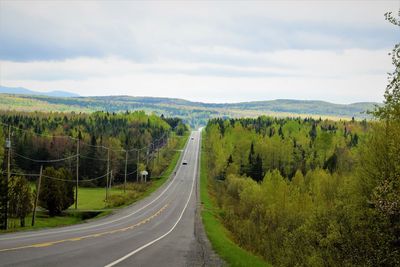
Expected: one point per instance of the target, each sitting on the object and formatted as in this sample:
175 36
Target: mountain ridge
194 113
25 91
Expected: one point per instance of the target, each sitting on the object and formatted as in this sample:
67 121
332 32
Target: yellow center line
78 238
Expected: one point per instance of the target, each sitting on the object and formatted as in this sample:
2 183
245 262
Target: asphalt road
157 231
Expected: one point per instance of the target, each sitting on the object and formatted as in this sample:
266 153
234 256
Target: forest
193 113
306 192
102 148
51 136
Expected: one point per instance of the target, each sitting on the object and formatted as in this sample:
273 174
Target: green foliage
20 199
378 186
56 195
92 200
247 147
2 141
181 129
391 108
194 114
220 237
118 200
378 181
313 206
40 139
331 193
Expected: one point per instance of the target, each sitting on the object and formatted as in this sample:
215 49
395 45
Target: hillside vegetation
305 192
193 113
99 150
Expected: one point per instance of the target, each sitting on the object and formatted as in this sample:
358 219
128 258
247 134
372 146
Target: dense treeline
44 138
305 192
312 192
56 140
252 146
191 113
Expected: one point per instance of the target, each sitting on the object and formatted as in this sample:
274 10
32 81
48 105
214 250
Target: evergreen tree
56 195
280 132
258 171
313 132
251 154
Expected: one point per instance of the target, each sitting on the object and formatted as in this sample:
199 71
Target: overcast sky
204 51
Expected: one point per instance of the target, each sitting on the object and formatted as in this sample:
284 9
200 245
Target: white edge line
167 233
107 222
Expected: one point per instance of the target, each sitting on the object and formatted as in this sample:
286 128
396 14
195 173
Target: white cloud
209 51
348 76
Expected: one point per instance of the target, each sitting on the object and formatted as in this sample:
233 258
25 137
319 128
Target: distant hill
24 91
311 107
194 113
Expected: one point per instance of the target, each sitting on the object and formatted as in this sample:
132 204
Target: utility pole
153 155
108 171
147 157
158 152
137 166
77 174
126 168
168 140
37 195
111 179
8 155
7 178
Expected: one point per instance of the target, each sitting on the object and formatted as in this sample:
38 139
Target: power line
87 157
92 179
97 146
44 161
155 143
56 178
104 159
118 173
38 134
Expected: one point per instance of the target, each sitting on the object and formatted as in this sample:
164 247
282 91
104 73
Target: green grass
93 199
156 183
218 235
42 220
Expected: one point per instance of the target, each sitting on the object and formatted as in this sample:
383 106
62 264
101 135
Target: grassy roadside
93 199
156 183
218 235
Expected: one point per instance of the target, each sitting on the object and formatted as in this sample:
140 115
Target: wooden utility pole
108 171
111 179
7 178
77 174
147 157
37 195
137 166
8 155
126 168
158 152
168 140
153 158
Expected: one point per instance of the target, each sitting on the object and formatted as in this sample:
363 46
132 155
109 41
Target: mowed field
94 198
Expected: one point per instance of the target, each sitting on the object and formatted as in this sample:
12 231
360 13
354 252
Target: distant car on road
192 138
184 162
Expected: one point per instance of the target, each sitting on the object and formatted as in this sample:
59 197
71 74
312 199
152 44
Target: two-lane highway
157 231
